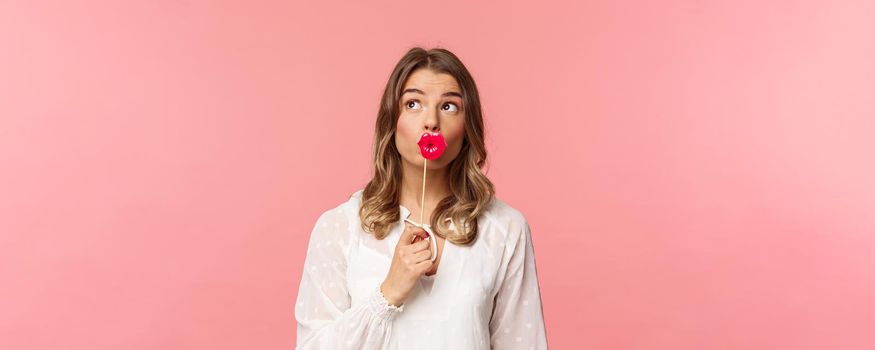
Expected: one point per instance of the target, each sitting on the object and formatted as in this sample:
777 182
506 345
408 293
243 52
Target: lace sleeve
517 319
322 309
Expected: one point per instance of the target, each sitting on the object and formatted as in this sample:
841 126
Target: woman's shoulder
342 212
501 219
353 200
500 209
507 222
356 195
333 226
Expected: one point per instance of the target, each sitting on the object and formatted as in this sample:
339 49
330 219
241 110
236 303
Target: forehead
431 82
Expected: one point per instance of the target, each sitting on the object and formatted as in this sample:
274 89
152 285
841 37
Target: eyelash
452 103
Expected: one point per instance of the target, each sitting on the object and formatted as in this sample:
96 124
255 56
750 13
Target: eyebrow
418 91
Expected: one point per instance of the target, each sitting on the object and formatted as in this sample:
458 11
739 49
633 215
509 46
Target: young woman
372 280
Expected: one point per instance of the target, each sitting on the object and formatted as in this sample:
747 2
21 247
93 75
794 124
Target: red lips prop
432 145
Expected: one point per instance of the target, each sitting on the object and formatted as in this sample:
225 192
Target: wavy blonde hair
471 191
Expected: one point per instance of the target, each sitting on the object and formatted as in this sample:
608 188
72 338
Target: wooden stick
422 201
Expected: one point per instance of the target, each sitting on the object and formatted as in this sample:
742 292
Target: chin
436 164
439 163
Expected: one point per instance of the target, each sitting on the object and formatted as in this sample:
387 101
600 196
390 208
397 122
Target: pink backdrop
697 174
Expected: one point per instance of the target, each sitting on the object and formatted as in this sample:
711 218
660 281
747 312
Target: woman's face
430 101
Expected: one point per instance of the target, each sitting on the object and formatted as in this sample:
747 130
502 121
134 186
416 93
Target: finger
415 232
420 256
416 247
407 235
420 233
423 266
416 238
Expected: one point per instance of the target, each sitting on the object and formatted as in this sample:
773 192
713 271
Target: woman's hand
411 260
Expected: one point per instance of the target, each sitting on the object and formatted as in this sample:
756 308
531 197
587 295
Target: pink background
697 174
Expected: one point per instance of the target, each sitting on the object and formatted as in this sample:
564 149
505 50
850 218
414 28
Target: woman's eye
412 104
456 108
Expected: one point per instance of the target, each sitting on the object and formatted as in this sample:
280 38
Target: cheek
455 133
405 132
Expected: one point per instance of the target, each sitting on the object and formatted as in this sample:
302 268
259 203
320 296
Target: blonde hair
471 191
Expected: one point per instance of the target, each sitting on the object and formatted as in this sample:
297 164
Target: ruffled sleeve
322 309
518 319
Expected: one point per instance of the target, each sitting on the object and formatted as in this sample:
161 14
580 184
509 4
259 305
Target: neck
436 187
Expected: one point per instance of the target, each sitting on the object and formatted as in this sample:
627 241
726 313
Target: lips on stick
431 146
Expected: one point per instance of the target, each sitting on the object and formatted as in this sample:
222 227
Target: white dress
483 296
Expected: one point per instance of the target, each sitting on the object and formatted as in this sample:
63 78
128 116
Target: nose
432 122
